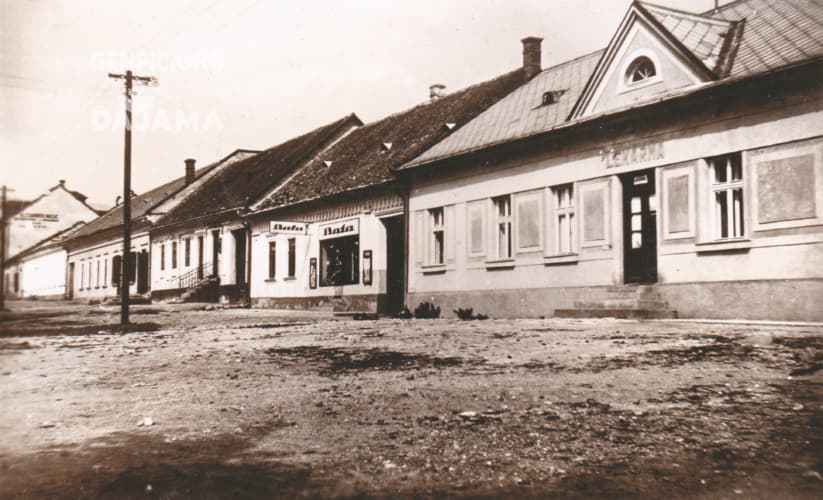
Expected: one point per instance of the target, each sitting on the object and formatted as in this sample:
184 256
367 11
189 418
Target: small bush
468 314
405 313
426 310
465 314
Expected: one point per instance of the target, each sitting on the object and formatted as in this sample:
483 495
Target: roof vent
551 96
450 126
436 91
386 146
327 163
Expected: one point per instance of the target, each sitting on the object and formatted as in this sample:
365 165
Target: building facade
679 172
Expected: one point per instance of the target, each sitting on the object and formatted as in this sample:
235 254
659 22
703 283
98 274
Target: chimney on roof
63 183
436 91
532 56
189 171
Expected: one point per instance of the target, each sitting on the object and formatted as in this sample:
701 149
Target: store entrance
639 227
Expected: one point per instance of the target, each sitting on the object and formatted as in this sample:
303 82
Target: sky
245 74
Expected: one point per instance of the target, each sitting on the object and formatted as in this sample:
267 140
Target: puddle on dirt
331 360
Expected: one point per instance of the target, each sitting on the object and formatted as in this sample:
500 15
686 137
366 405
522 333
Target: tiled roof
139 206
521 112
246 181
51 240
366 156
775 34
703 35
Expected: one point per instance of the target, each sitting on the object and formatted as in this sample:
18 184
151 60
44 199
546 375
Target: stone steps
625 302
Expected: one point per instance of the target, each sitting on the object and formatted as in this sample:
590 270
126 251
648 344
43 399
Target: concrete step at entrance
626 301
622 304
617 313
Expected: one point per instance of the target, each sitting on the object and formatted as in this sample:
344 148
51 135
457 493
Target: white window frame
563 197
437 236
735 216
502 229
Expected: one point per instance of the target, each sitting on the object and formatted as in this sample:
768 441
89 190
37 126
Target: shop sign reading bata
282 227
337 229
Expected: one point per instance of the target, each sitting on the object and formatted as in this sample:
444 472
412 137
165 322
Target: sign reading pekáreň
284 227
342 228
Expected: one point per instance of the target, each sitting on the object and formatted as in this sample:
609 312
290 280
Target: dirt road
261 404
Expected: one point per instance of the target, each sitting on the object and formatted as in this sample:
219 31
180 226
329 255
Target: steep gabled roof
769 34
367 155
244 182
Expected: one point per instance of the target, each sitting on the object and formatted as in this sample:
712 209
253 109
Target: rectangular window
437 242
727 197
105 271
339 261
116 270
162 256
292 257
187 253
272 259
82 275
564 218
476 237
503 226
174 255
528 220
97 274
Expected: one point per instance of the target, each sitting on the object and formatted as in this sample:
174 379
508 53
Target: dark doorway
200 257
70 282
142 272
217 243
639 227
395 272
239 256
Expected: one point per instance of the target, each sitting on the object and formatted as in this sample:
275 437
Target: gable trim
616 49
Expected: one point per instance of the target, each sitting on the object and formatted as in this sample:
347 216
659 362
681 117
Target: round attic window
640 70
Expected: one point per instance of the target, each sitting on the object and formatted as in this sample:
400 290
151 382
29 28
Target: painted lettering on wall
287 227
37 221
632 153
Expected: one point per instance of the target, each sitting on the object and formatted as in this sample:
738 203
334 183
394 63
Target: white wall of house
93 267
781 152
325 268
43 274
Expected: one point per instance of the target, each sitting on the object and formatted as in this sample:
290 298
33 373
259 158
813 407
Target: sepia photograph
418 249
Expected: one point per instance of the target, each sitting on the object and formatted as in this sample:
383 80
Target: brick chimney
436 91
531 55
189 171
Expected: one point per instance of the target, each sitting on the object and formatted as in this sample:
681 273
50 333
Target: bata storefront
340 264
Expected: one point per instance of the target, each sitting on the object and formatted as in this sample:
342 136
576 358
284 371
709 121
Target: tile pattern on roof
774 34
361 159
704 36
244 182
139 205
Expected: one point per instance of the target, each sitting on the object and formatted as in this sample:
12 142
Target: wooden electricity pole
126 260
3 219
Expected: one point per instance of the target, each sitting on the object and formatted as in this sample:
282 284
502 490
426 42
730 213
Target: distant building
95 251
35 263
678 172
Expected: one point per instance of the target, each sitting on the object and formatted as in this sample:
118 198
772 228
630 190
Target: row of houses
676 172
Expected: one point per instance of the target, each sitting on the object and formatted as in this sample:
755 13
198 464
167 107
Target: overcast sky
245 73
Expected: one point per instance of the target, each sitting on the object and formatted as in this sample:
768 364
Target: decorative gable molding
651 22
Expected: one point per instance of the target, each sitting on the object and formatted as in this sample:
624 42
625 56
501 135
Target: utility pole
3 250
126 260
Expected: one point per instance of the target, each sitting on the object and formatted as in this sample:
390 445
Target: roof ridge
447 96
702 15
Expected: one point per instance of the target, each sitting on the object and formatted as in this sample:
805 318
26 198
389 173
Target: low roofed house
678 171
332 235
200 244
95 250
34 267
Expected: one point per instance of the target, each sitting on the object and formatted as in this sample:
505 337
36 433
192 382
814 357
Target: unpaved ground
249 403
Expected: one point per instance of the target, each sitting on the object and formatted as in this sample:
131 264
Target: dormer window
640 70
